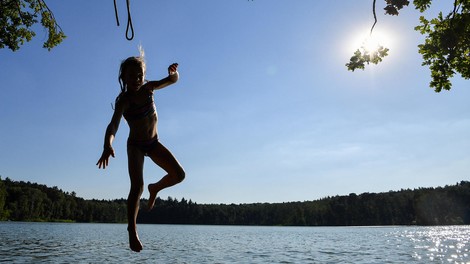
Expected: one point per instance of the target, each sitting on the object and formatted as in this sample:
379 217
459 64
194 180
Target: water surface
108 243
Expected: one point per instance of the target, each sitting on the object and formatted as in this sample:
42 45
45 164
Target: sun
370 47
371 42
374 41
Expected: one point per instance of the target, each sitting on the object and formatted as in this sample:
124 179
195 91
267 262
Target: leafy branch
446 49
18 16
363 56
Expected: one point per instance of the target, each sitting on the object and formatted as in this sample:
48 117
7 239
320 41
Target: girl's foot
153 195
134 241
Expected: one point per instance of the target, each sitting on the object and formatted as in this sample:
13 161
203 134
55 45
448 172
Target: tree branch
43 4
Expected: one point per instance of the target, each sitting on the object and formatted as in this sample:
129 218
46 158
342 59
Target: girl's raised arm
173 77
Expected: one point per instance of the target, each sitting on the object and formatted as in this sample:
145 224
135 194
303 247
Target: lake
108 243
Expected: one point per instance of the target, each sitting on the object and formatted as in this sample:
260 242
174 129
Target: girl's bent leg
175 172
136 165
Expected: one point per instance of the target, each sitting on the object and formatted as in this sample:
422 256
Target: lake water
108 243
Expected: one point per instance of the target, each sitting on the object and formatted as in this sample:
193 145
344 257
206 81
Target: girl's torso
141 115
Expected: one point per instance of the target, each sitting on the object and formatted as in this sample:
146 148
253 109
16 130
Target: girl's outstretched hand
104 160
173 68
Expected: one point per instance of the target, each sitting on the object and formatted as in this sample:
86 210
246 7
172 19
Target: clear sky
264 111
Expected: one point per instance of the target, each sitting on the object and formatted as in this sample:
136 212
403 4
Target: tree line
449 205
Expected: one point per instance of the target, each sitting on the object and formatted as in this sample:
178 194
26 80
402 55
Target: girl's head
132 74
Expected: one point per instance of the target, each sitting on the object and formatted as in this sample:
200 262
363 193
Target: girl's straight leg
136 166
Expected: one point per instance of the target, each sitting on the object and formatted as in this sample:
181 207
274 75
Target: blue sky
264 111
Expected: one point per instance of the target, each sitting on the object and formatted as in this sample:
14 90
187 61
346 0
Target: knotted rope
129 20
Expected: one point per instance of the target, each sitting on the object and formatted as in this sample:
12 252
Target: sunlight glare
371 42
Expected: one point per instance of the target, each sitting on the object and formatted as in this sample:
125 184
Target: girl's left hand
172 68
104 159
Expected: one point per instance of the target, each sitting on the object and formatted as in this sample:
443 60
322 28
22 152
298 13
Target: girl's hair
137 61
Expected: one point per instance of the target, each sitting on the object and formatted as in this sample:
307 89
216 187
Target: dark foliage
446 49
449 205
17 21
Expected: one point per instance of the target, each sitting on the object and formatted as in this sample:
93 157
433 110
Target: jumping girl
136 104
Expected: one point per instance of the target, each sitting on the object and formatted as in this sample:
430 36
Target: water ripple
107 243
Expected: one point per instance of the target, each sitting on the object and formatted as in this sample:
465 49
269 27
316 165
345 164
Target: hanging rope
375 17
129 20
116 13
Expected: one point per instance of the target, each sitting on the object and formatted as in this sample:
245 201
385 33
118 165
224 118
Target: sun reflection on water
441 243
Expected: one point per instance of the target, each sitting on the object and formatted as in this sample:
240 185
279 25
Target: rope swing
129 20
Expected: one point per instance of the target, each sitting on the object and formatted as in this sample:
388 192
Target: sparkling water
108 243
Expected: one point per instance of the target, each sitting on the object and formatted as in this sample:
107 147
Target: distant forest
449 205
